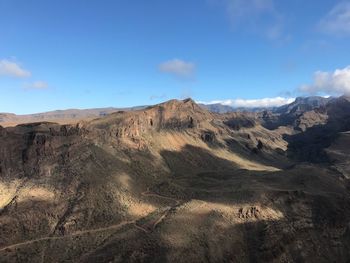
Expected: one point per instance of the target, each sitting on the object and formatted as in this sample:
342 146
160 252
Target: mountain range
75 115
177 182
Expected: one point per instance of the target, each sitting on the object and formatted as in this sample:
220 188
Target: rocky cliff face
301 114
173 115
169 183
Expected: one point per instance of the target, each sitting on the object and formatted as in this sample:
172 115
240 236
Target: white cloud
254 103
337 21
12 69
244 9
37 85
259 16
178 68
337 82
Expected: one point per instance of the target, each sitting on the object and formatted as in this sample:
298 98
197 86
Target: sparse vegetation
169 183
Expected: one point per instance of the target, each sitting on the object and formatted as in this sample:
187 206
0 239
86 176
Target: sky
88 54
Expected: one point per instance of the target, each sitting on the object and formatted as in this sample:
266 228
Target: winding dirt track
148 193
166 212
112 227
78 233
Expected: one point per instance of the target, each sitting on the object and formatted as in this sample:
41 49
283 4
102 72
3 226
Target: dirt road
112 227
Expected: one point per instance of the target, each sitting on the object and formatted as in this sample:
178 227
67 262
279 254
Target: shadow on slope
310 145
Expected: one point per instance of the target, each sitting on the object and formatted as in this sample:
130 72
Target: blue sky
85 54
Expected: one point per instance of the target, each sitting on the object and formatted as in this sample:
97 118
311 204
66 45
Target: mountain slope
321 127
166 183
301 114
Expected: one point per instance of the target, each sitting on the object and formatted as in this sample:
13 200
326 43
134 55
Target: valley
175 182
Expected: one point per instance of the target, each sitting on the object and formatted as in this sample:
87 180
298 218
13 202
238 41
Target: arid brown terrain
59 116
176 183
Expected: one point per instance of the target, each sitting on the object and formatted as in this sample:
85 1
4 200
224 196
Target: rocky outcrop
309 119
171 116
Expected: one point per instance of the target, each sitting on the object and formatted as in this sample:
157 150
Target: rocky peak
303 104
178 106
171 115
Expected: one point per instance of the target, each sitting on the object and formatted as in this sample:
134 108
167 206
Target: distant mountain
287 112
220 108
217 108
74 115
304 112
302 104
61 116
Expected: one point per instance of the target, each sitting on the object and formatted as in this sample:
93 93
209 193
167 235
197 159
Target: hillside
175 182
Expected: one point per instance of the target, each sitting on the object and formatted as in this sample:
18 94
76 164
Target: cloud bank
253 103
337 21
178 68
12 69
335 83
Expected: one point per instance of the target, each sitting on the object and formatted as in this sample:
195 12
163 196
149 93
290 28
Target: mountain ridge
67 116
174 179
